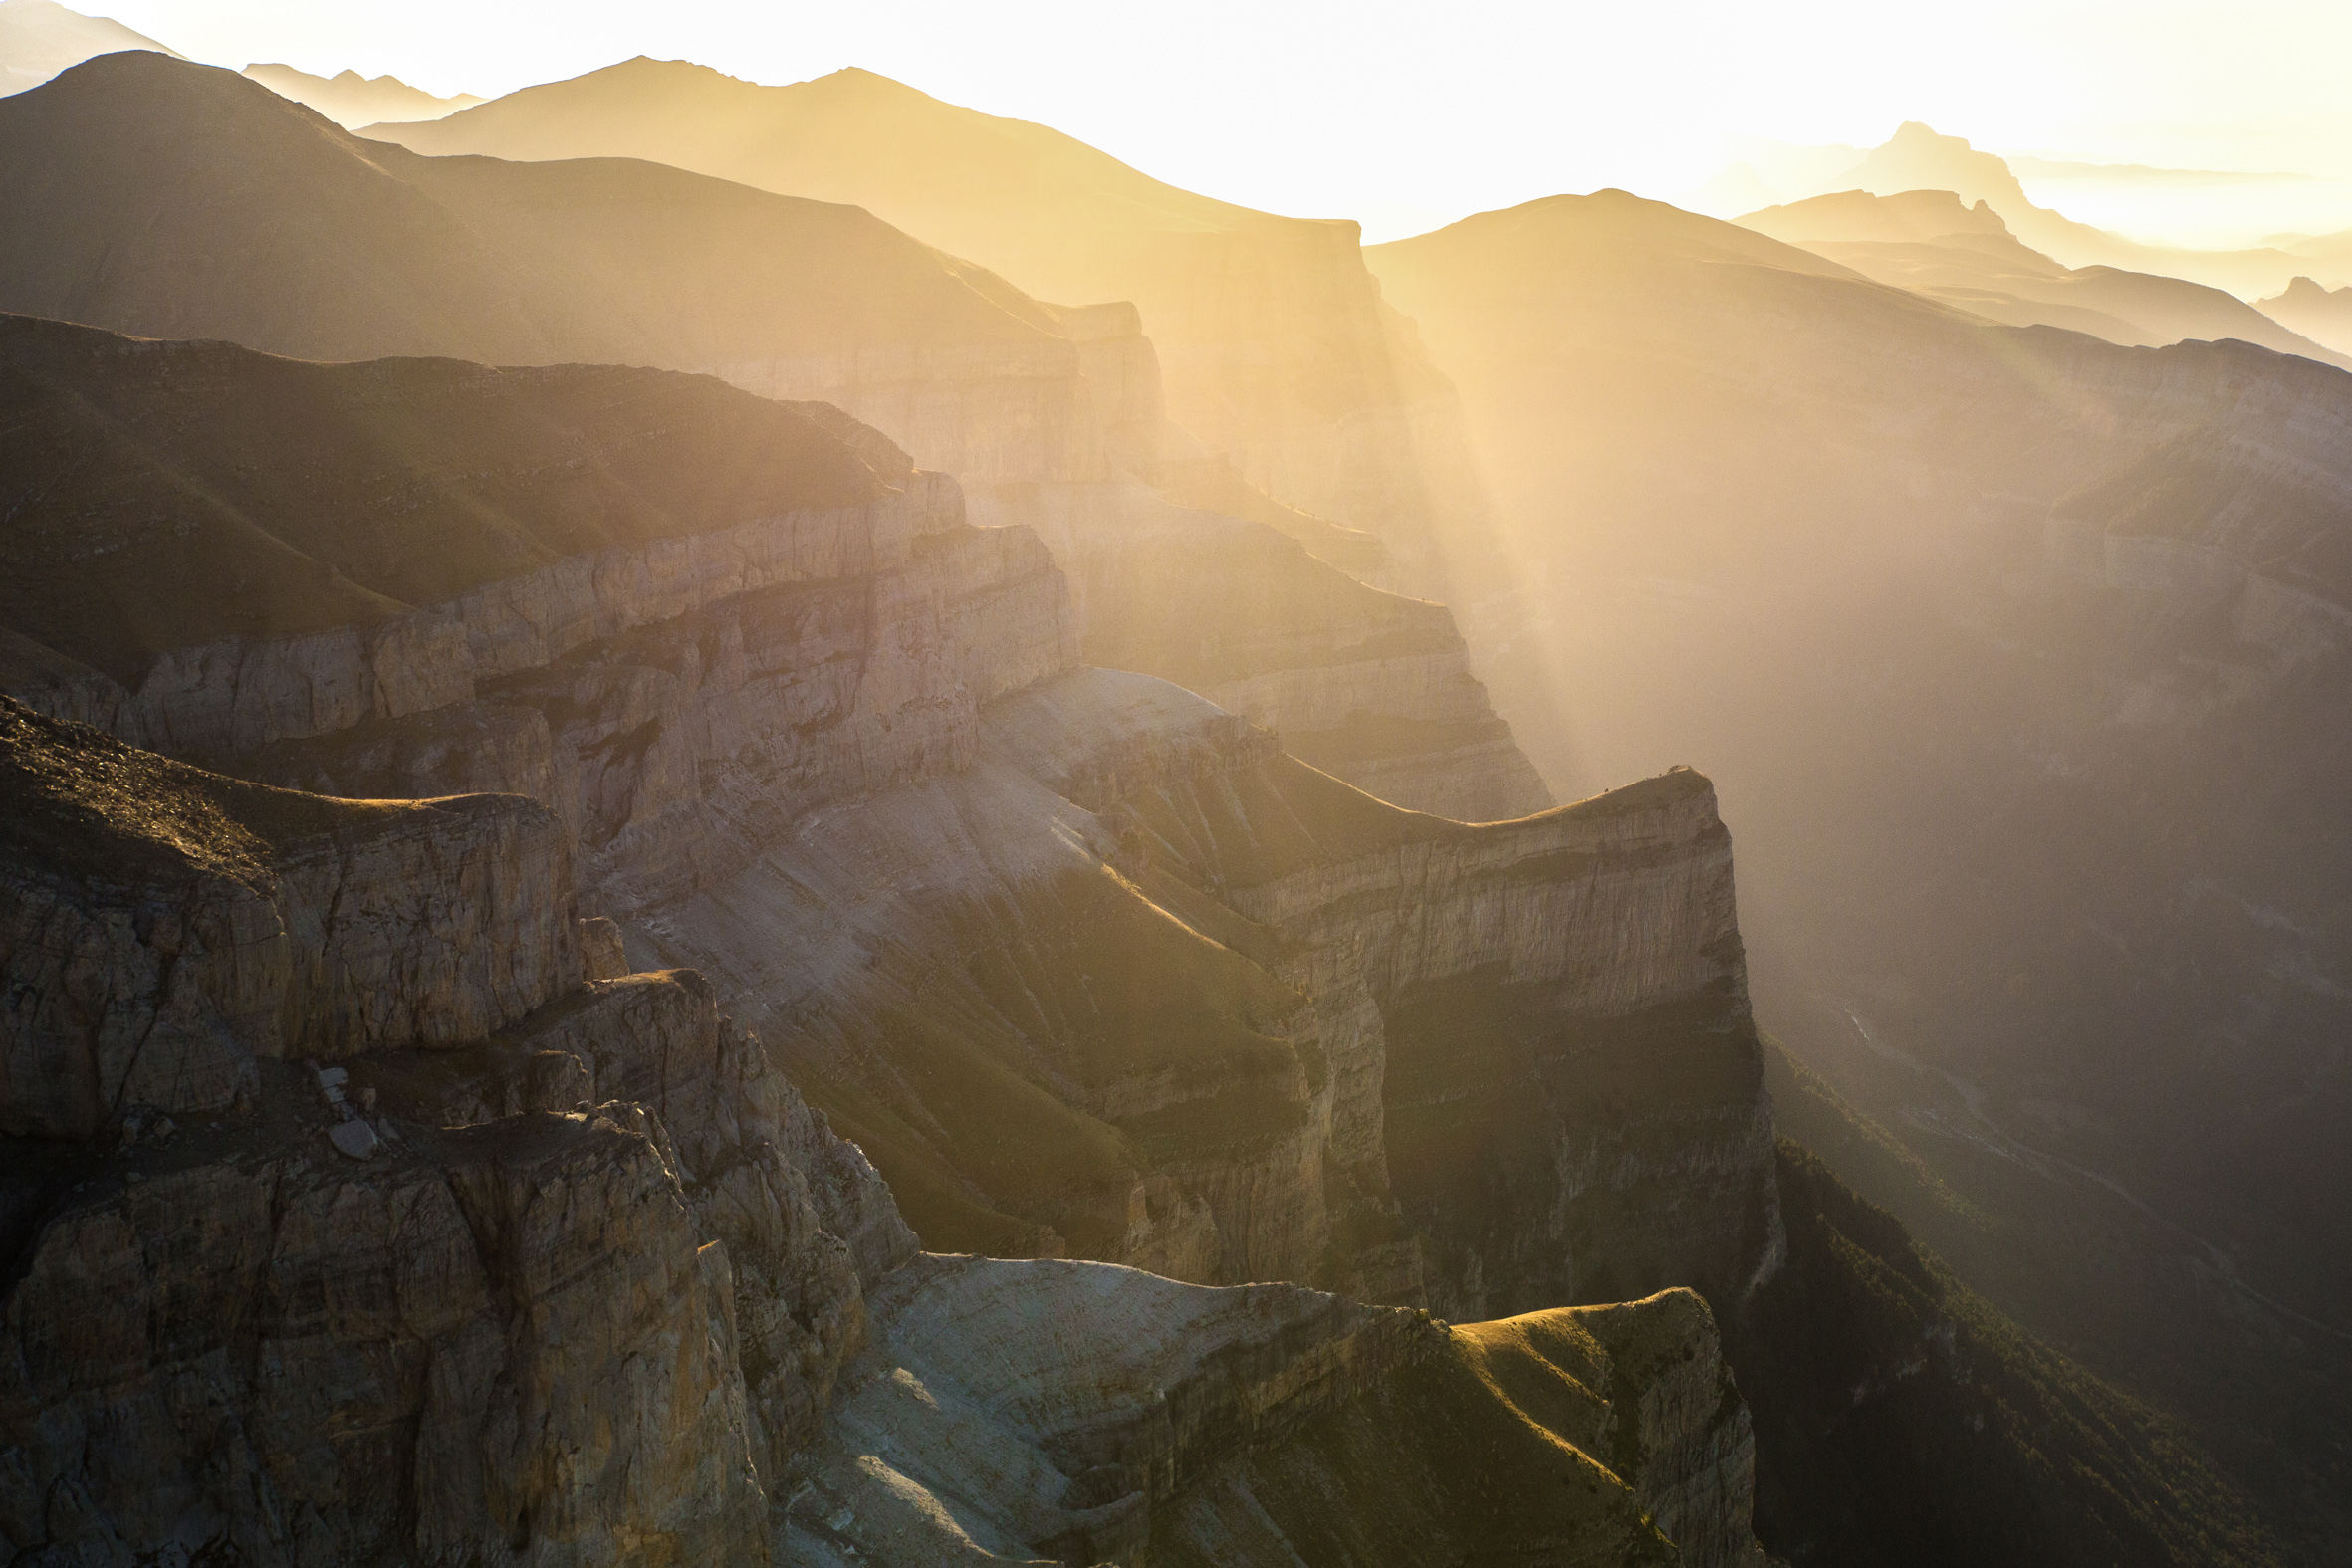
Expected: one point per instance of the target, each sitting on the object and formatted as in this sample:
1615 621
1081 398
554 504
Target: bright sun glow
1406 115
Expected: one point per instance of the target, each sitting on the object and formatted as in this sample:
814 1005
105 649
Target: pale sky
1319 109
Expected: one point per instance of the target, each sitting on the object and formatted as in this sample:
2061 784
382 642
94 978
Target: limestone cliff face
1139 986
1568 1084
548 1285
1653 1457
148 977
1079 1413
601 1288
1373 685
507 1344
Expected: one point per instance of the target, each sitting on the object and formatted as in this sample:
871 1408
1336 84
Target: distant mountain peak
1921 130
353 100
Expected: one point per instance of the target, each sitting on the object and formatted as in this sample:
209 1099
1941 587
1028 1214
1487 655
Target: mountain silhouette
177 200
1929 242
352 99
40 38
1271 337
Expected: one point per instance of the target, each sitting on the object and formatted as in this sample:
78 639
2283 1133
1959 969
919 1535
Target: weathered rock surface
163 929
1078 1412
601 1288
505 1344
1137 987
1087 964
445 1299
1372 686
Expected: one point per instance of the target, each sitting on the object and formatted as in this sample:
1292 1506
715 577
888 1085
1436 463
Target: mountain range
1926 241
2016 652
40 38
352 99
753 823
1353 425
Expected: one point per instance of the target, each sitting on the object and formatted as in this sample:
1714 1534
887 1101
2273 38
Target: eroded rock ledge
599 1289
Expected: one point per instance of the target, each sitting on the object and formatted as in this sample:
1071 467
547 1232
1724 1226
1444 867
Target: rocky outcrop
299 1312
503 1344
1520 977
447 1236
1139 986
150 969
1165 1423
1042 1408
1630 1407
1373 686
601 1288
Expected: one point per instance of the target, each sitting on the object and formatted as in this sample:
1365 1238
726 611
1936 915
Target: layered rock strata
629 263
1558 1011
553 1280
145 978
1138 987
707 586
1373 686
601 1288
1281 355
1168 1424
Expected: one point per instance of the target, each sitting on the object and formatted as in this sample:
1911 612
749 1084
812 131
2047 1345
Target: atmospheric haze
1406 116
1258 785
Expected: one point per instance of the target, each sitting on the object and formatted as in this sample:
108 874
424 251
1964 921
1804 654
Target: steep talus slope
1278 352
2043 855
140 220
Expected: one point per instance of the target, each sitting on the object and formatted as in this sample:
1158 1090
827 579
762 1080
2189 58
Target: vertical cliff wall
538 1271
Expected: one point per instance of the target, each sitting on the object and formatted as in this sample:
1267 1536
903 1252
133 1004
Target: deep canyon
782 825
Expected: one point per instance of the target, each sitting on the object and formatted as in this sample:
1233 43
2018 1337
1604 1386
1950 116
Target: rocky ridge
838 755
619 262
1280 354
601 1288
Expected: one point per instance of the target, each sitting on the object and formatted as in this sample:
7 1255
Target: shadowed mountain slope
1276 350
2020 657
348 249
147 183
1926 241
153 506
1900 1419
